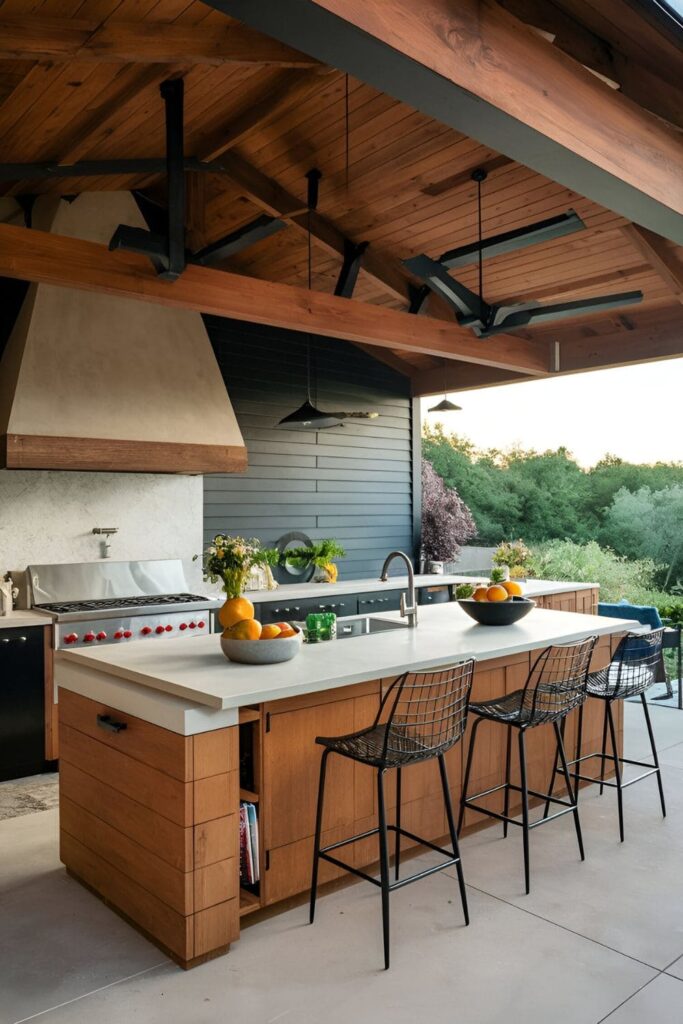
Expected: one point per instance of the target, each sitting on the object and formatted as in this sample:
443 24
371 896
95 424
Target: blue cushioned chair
649 616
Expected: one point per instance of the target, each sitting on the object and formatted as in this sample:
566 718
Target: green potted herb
321 554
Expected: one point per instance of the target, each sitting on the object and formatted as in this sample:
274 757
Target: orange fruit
497 593
480 594
246 629
285 630
270 632
513 588
235 610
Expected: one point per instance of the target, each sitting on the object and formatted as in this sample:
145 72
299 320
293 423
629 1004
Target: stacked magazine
249 858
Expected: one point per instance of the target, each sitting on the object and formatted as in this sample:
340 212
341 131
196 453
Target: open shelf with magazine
250 838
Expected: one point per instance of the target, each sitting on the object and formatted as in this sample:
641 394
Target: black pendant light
445 405
307 416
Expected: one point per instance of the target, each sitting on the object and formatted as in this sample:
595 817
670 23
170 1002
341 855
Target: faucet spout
409 606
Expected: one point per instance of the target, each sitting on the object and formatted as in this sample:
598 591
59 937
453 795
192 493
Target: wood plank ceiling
402 185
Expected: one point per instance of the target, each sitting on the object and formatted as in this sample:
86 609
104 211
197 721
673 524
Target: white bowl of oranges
499 602
245 640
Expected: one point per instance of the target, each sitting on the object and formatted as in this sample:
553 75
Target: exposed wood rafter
654 249
32 255
32 37
475 67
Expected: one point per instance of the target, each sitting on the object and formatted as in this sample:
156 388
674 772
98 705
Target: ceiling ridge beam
42 257
36 38
476 68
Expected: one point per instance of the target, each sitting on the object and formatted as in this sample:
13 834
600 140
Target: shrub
447 522
589 563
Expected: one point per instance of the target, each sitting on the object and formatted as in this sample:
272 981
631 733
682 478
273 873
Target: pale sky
635 412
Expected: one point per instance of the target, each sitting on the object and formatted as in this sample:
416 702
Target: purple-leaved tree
447 522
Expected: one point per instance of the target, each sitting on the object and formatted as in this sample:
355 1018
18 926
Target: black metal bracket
418 299
167 252
255 231
348 275
26 203
313 176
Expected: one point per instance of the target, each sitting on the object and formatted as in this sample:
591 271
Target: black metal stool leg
454 835
397 841
577 753
604 748
525 809
570 788
551 787
383 863
468 768
617 768
506 808
654 754
318 830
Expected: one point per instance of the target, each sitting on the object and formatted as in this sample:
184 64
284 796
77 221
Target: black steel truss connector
418 299
313 176
348 275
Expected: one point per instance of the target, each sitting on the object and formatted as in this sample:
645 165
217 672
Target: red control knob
71 638
101 635
118 635
169 628
146 630
88 637
127 634
183 625
159 629
193 625
201 624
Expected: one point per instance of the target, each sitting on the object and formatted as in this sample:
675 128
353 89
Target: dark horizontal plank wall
352 482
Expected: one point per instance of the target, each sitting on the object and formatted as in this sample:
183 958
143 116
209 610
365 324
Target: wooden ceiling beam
112 112
636 81
290 87
456 376
35 38
477 68
655 251
31 255
265 193
644 343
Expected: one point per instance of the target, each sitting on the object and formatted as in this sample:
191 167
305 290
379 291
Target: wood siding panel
336 482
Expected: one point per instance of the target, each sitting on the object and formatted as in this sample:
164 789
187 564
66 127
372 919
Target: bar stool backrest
633 668
557 681
426 712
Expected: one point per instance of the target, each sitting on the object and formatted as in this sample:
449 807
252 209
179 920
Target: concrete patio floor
599 941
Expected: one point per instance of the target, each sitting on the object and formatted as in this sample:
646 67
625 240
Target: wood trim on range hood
98 382
34 451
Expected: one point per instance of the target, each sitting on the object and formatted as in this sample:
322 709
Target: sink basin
366 625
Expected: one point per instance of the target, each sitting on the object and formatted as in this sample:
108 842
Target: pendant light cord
481 257
347 131
310 281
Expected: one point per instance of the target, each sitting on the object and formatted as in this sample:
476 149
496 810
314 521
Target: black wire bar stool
555 686
421 716
632 671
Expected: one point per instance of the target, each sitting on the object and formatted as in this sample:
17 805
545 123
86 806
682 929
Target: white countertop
293 591
195 668
18 619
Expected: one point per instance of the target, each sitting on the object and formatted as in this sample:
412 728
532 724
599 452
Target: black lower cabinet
22 702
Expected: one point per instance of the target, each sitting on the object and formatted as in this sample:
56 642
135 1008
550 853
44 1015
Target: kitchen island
161 741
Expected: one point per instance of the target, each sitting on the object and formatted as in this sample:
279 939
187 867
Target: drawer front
292 610
383 601
166 751
434 595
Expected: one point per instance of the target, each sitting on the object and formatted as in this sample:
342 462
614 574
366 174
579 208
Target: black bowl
497 613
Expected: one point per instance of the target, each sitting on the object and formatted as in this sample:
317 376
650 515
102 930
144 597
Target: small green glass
321 626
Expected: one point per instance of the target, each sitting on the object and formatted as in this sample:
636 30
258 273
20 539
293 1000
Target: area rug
26 796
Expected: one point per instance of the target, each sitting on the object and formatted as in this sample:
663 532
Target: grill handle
107 722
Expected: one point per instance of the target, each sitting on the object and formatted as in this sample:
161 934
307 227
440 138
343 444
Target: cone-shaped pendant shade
307 417
445 406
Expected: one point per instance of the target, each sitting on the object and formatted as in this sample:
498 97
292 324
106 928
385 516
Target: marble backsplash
48 516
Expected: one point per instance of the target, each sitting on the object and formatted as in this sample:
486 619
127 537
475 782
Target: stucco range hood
90 381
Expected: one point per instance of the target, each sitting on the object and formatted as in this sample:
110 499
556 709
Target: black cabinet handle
13 639
108 723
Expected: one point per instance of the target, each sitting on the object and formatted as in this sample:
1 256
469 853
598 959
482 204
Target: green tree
648 524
